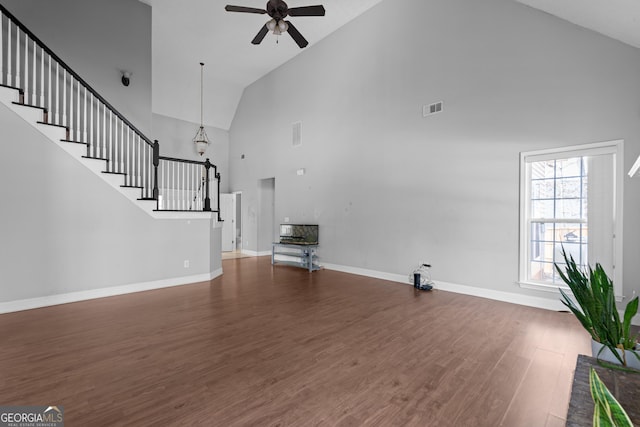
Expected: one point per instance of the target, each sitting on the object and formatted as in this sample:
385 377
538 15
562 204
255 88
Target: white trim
555 289
49 300
510 297
634 168
594 148
254 253
615 147
369 273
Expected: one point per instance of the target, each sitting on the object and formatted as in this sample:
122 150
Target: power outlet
186 263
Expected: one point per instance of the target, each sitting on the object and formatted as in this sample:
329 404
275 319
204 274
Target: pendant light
201 140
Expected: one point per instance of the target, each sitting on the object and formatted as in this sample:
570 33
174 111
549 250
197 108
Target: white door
227 211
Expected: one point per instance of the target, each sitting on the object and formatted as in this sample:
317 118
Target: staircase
40 88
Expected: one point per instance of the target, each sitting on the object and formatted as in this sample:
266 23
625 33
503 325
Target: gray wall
390 188
65 230
176 140
98 39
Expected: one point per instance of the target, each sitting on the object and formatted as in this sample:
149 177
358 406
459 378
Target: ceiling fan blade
230 8
306 11
296 36
260 36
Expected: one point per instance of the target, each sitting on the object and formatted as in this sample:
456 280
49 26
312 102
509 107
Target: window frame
615 148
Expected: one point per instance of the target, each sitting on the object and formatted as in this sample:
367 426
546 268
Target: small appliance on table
297 246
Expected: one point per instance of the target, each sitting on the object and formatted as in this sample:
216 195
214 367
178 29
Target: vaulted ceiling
188 32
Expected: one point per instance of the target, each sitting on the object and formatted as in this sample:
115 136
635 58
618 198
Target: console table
298 255
625 387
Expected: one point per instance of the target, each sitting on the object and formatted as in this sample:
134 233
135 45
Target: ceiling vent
428 110
297 134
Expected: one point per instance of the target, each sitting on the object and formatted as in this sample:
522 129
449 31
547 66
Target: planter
607 356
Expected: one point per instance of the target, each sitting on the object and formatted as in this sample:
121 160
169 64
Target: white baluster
114 142
9 54
117 150
34 94
49 93
42 78
138 162
71 113
64 97
17 57
110 155
127 159
91 138
148 169
142 168
2 81
184 187
26 69
57 97
123 147
103 141
86 116
78 117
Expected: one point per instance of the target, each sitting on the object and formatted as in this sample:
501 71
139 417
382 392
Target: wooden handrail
25 30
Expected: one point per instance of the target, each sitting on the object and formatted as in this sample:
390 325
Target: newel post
207 199
218 198
156 163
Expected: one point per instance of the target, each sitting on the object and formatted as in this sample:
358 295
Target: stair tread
75 142
114 173
131 186
180 210
53 124
12 87
30 106
95 158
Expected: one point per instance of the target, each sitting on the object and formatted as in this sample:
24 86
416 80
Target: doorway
231 213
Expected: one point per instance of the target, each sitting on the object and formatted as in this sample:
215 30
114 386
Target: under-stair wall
67 235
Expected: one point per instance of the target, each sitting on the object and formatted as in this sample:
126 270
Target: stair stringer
34 116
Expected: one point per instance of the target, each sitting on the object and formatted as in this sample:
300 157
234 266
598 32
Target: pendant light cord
201 92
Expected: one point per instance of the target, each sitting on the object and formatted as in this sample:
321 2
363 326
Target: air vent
428 110
297 134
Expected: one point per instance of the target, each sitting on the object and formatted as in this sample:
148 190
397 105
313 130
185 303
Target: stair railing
45 81
185 185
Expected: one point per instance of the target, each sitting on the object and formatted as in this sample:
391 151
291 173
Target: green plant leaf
607 410
630 311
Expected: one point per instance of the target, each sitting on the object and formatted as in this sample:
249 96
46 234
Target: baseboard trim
31 303
537 302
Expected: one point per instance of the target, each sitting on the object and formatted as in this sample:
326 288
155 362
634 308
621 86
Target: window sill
545 287
554 289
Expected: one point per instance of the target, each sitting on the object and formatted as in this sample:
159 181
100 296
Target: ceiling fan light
277 31
271 25
283 26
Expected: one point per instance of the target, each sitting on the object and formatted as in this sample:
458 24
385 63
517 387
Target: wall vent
428 110
297 134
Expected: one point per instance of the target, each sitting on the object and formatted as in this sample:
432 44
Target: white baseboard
31 303
255 253
369 273
538 302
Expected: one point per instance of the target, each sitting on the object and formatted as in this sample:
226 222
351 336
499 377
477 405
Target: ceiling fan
278 10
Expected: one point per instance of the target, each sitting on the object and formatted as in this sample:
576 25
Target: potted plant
597 312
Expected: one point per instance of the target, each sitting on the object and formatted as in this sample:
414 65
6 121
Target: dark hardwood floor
278 346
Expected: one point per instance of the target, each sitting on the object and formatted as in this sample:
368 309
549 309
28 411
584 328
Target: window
570 199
